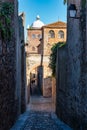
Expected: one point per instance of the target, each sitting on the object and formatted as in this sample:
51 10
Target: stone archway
34 74
39 75
36 81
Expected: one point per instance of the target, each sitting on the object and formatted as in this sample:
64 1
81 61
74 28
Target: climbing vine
83 2
6 11
65 1
53 57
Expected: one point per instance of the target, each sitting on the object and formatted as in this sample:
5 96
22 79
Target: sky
49 10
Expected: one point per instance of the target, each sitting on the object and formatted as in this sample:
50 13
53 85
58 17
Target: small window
33 36
51 34
61 34
39 36
33 48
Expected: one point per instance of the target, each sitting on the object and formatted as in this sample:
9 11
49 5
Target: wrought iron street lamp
72 11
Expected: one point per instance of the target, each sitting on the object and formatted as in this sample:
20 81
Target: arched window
60 34
51 34
33 48
33 36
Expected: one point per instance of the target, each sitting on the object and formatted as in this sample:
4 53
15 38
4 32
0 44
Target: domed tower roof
37 23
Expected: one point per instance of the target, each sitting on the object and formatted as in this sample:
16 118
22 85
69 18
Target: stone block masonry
72 75
8 103
23 62
10 73
61 86
47 89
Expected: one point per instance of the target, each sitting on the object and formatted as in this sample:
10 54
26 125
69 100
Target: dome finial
38 17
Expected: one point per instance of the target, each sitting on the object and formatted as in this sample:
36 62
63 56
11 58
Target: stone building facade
34 36
53 33
11 80
72 75
40 40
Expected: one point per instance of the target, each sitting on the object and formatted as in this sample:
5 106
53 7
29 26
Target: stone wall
47 87
54 90
23 62
47 77
86 31
72 77
8 103
18 56
10 74
61 86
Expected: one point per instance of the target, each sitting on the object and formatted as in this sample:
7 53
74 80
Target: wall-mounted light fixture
73 11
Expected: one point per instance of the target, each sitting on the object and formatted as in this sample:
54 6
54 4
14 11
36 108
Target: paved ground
40 116
41 104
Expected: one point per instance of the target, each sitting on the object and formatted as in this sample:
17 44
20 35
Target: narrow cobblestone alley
40 116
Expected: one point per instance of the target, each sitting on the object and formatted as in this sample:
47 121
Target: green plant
6 11
53 56
65 1
83 2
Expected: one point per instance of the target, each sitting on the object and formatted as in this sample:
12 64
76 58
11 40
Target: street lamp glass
72 13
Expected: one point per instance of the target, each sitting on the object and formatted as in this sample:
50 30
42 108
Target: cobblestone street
40 116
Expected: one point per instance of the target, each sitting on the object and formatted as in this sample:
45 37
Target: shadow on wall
33 89
47 87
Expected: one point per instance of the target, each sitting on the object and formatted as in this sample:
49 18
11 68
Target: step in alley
40 115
